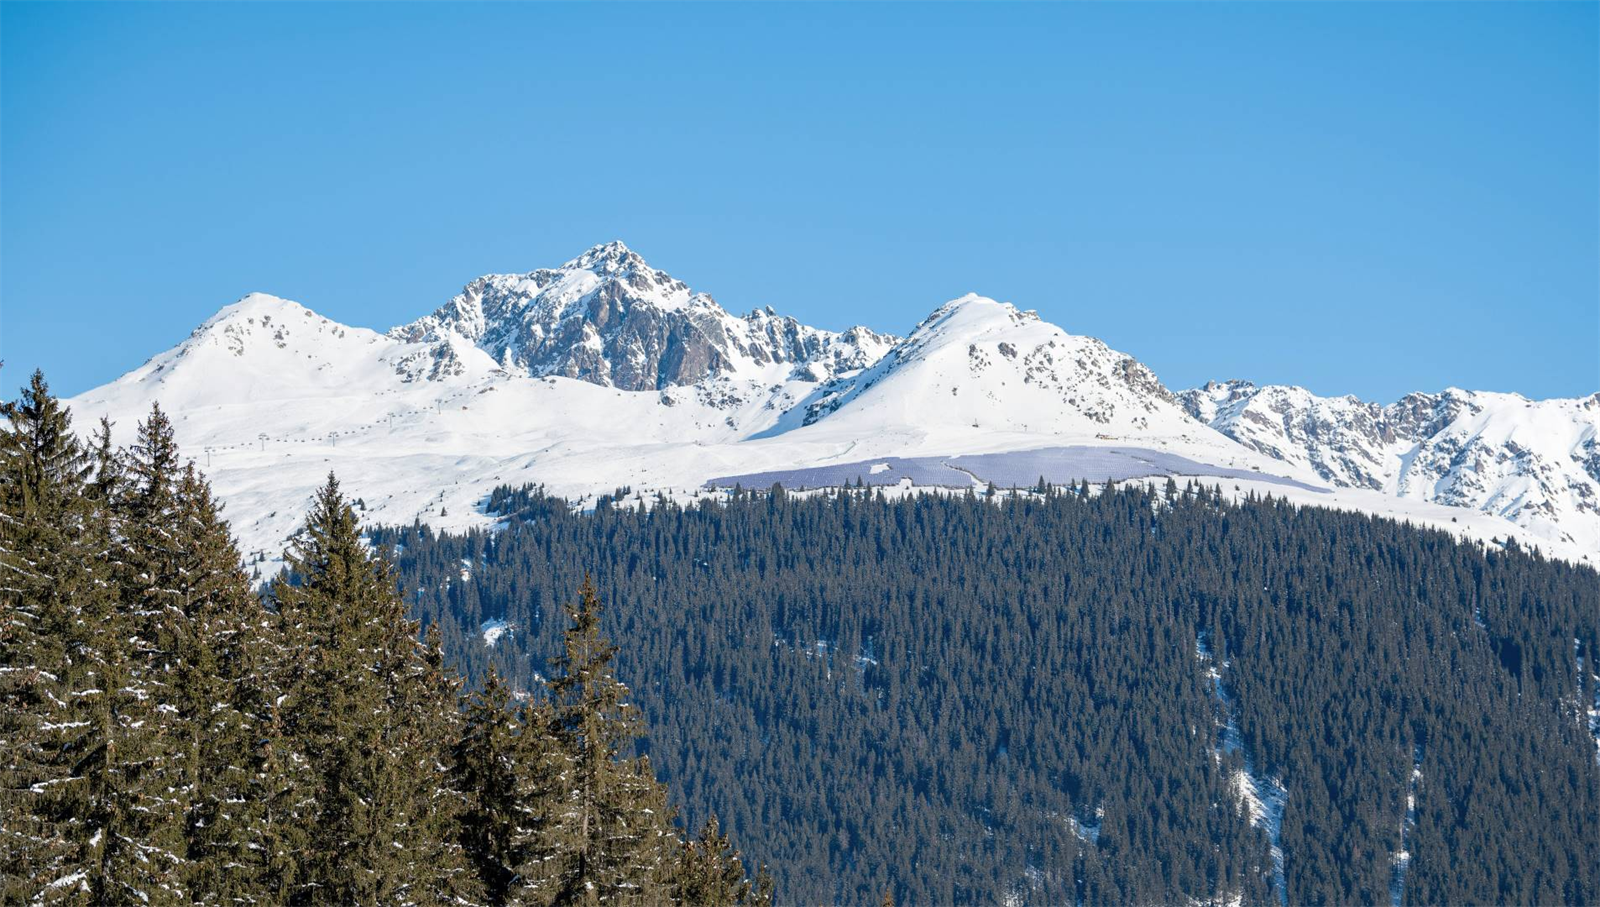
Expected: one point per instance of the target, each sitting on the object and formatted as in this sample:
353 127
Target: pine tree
110 797
711 873
488 764
609 838
148 770
109 469
363 712
53 604
225 692
427 702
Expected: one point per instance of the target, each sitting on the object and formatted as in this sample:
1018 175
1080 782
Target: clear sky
1359 198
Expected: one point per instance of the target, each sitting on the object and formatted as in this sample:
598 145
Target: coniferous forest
1069 696
170 735
1059 695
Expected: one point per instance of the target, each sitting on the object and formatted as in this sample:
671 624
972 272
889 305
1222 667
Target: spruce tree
53 606
427 704
149 769
545 772
225 693
105 488
107 797
711 873
362 712
489 764
610 837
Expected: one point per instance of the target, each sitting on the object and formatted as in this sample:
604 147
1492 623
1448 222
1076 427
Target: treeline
168 736
972 700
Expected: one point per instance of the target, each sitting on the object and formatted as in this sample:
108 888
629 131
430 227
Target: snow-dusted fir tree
153 757
711 873
557 815
88 629
492 764
431 690
366 713
225 689
607 834
54 608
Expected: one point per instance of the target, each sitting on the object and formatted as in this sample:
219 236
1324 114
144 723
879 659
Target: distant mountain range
1535 463
605 372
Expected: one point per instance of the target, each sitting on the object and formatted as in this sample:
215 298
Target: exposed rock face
609 318
1344 439
1534 462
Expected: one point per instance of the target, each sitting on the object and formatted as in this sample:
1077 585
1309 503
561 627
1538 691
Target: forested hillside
168 736
1067 696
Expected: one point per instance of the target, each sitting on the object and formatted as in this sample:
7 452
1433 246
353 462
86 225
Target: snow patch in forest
1594 720
1263 798
1402 857
1594 714
1088 830
493 629
78 878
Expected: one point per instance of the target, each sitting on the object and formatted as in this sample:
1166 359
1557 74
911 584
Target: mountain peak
1231 385
974 312
611 258
255 305
609 318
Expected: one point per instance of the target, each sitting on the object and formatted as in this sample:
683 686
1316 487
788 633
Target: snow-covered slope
1535 463
606 372
983 363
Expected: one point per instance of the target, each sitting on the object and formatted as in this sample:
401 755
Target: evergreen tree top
47 462
589 700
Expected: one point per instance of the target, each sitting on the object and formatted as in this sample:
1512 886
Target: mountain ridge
1534 462
606 372
607 317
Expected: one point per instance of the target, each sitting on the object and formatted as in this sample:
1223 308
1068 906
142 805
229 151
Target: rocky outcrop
608 318
1533 462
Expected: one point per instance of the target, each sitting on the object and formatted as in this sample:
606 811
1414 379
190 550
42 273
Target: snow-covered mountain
609 318
606 372
980 362
1535 463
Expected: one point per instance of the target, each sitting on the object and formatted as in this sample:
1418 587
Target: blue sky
1360 198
